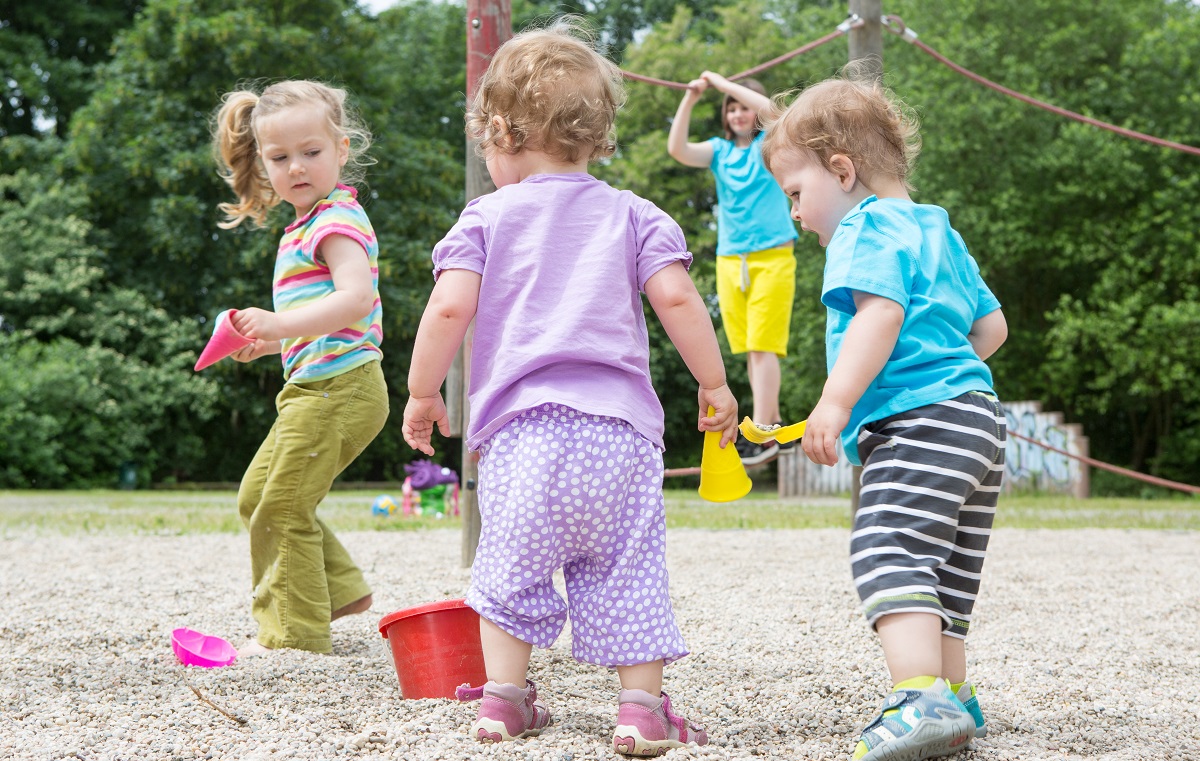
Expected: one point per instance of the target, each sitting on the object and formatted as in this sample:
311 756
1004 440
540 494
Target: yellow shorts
755 292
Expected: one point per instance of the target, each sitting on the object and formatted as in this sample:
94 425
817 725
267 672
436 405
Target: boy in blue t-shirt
910 323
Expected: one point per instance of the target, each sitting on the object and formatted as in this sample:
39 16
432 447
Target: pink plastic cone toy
194 648
225 341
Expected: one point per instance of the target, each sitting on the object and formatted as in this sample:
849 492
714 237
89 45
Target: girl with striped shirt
296 142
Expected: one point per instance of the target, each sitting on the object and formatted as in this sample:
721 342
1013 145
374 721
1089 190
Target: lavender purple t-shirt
563 259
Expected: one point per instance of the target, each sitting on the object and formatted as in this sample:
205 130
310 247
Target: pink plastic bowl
194 648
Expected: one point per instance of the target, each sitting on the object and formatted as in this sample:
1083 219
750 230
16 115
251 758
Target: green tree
142 145
618 22
94 374
47 52
1087 237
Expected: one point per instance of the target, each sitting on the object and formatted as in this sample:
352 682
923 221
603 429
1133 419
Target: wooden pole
866 41
489 25
866 45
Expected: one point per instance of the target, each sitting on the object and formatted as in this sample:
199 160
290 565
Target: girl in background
756 267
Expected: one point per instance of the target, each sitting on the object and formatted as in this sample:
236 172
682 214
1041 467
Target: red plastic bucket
435 648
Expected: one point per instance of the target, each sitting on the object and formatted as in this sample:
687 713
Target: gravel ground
1085 646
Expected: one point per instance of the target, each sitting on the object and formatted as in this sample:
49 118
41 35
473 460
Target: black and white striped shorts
930 480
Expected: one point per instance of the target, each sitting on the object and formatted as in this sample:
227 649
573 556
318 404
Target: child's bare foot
251 649
361 605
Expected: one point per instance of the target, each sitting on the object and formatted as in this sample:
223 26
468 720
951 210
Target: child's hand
825 426
725 412
258 323
712 78
420 414
696 88
257 349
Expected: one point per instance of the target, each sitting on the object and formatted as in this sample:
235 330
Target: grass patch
176 512
199 512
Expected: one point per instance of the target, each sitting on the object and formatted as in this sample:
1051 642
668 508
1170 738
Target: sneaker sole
929 739
490 731
628 741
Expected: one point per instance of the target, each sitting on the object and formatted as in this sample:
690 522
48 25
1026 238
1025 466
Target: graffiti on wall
1029 467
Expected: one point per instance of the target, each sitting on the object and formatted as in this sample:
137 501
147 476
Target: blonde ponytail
237 156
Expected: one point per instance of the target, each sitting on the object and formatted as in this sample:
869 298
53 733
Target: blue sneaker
917 724
966 695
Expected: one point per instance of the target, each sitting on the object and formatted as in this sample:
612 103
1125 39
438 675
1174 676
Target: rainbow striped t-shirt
302 278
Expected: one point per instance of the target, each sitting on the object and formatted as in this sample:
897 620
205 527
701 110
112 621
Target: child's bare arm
988 333
451 308
352 299
697 155
754 101
685 318
868 343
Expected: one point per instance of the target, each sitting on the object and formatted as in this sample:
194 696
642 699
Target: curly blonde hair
554 92
235 143
856 117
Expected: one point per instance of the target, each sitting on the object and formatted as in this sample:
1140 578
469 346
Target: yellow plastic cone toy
722 476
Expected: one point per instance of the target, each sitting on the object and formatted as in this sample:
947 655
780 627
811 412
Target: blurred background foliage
114 266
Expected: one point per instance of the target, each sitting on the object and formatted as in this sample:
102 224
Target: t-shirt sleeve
348 219
986 301
660 242
465 245
720 147
864 258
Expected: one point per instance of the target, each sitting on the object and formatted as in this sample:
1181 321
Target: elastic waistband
783 249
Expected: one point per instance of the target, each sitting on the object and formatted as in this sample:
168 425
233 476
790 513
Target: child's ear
841 165
343 151
498 128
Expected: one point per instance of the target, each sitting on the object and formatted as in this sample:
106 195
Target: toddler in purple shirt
569 430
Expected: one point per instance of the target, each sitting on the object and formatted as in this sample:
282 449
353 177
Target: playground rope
1155 480
1111 468
842 28
896 25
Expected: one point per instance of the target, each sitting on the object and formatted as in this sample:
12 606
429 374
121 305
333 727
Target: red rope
896 25
842 29
673 472
695 471
1112 468
789 56
653 81
1155 480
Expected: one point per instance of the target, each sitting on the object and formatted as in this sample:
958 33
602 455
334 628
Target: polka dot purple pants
562 489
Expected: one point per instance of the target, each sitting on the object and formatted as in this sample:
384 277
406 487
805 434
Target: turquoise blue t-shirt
753 212
909 253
